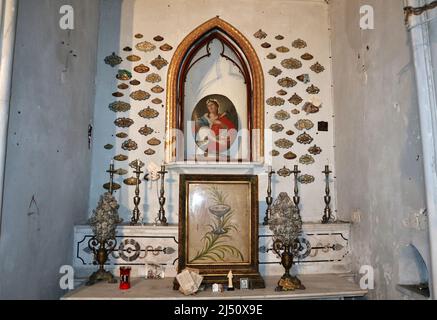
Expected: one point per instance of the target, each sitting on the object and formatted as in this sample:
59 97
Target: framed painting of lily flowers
218 227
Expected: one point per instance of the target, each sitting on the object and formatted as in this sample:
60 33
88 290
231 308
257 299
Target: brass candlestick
111 185
162 220
137 199
296 198
327 212
269 199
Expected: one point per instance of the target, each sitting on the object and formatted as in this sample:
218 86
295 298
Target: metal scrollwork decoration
282 115
165 47
118 94
295 99
153 78
307 56
103 223
145 131
275 72
286 225
287 82
260 34
275 101
284 143
307 179
140 95
133 58
315 150
159 62
304 124
124 75
123 122
148 113
310 108
306 159
119 106
317 68
271 56
291 63
305 78
156 101
282 49
145 46
299 44
129 250
113 60
284 172
277 127
290 155
129 145
157 89
275 153
313 89
304 138
141 68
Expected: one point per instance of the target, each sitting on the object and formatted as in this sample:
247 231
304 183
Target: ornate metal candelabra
137 199
269 199
162 220
286 225
327 216
103 223
296 198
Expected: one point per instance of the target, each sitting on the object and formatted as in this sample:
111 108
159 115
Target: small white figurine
215 288
230 284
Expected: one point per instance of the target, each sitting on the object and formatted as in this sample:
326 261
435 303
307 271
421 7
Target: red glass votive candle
125 278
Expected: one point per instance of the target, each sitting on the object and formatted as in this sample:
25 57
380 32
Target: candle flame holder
269 198
327 212
161 220
296 197
137 199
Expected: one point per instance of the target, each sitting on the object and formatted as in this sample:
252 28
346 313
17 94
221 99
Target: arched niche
215 62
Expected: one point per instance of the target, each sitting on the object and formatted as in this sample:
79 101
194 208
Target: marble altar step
321 286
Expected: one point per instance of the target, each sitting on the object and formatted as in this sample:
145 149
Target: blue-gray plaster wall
47 152
379 158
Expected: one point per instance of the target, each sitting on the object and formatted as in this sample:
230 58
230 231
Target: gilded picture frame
218 227
180 65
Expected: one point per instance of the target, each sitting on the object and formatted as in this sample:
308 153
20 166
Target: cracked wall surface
380 179
48 161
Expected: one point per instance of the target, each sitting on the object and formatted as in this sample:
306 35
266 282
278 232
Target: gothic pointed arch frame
252 71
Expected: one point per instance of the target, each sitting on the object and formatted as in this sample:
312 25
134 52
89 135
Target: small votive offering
244 284
125 278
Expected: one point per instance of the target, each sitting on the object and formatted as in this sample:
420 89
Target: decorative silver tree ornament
103 223
286 225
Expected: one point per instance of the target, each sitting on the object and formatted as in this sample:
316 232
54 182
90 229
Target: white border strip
420 40
8 16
